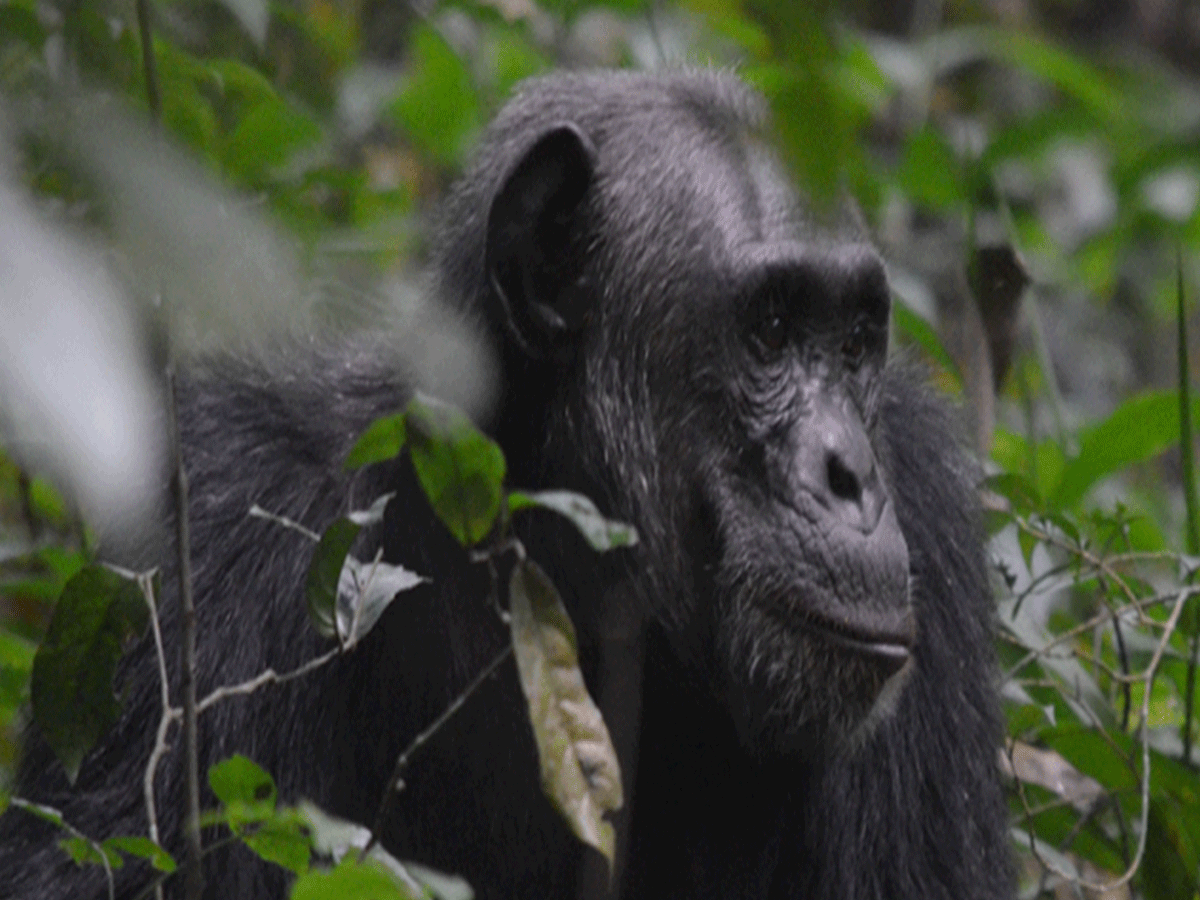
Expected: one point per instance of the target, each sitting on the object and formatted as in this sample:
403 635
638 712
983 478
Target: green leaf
265 138
438 107
930 173
351 880
1170 869
383 440
245 789
236 79
1139 429
324 575
337 838
85 852
1066 70
97 617
282 838
460 469
921 333
189 116
603 534
18 22
580 773
1017 489
16 652
143 848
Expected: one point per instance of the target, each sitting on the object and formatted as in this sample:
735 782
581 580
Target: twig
42 811
259 513
395 781
269 676
1123 656
149 65
145 581
1144 727
1139 606
193 876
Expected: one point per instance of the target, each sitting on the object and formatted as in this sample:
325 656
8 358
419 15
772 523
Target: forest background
1029 168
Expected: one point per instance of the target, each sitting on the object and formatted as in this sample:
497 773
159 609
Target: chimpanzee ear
534 256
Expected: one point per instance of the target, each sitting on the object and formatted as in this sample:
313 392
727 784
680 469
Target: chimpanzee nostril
842 482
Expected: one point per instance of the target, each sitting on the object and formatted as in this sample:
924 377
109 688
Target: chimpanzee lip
891 636
891 646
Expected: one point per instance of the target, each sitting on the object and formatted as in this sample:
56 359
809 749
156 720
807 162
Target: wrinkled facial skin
814 624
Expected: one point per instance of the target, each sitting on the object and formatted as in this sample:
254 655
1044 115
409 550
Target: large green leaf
383 440
930 173
1139 429
438 107
99 614
351 880
460 469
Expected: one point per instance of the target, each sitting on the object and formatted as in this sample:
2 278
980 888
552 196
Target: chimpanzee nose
843 474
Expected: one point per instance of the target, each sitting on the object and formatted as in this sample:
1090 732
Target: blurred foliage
1070 137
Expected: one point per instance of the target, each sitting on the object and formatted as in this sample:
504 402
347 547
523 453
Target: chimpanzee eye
771 331
854 348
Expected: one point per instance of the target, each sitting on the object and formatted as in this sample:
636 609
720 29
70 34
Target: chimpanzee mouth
896 647
888 638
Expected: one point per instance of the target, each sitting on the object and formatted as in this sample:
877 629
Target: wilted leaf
460 469
580 773
603 534
371 586
373 514
97 617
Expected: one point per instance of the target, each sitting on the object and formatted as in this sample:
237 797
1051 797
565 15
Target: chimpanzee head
668 318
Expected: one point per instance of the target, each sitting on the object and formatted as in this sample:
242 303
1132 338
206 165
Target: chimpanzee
796 656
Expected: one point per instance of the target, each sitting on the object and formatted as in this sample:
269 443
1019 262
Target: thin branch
1144 727
1139 606
149 65
42 811
259 513
145 581
269 676
395 781
1123 656
193 875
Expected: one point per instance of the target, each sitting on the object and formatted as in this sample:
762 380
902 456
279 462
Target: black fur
619 235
